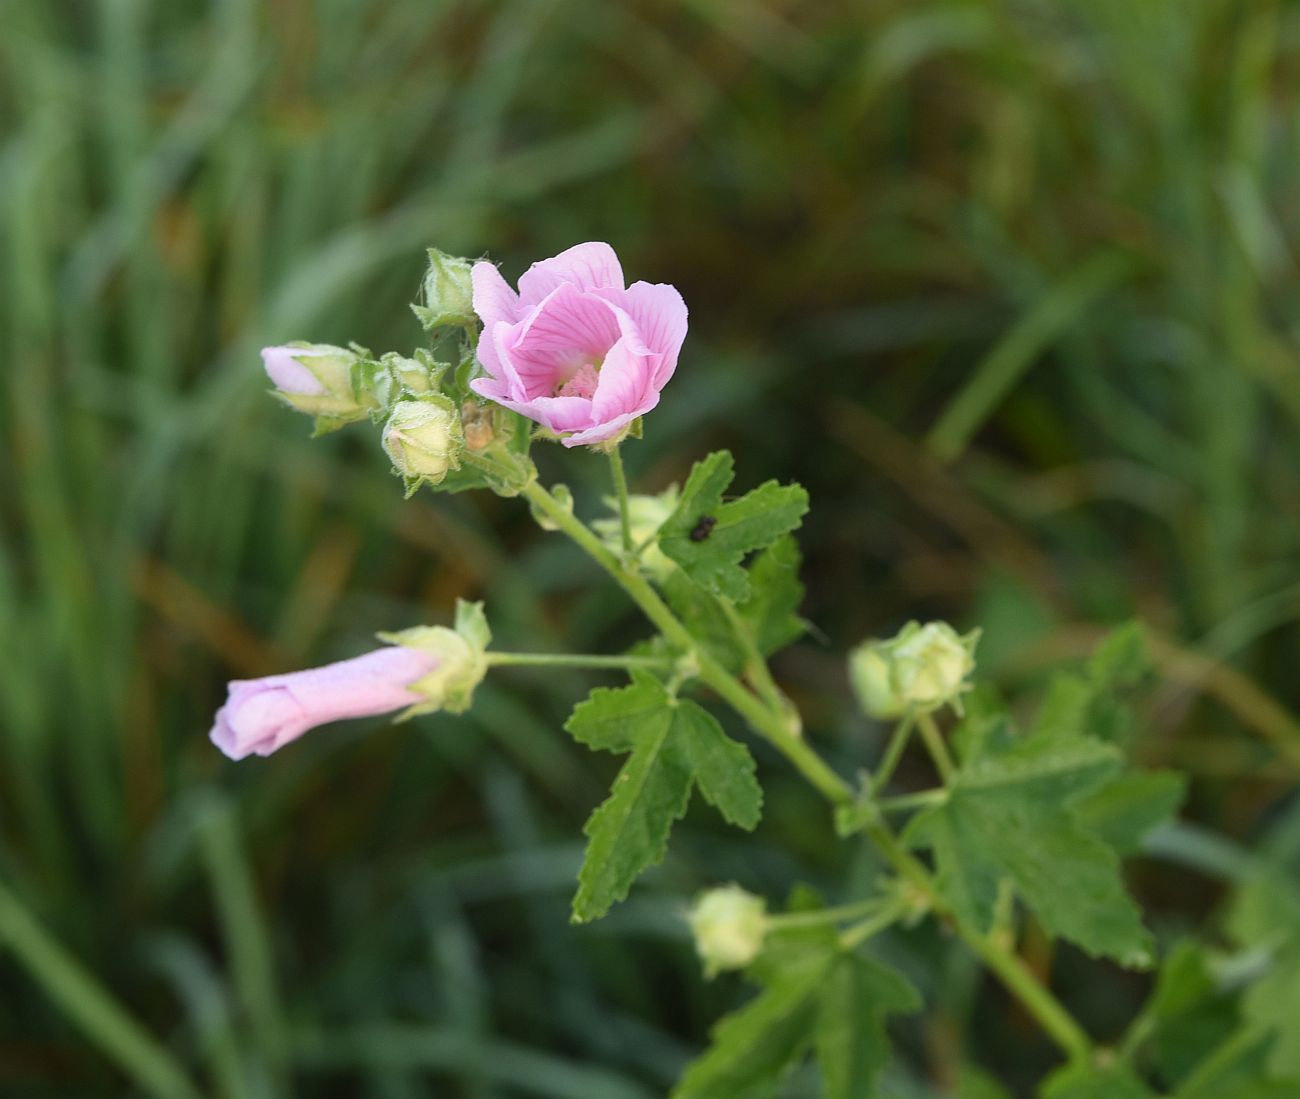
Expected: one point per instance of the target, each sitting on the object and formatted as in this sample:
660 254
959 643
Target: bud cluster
433 424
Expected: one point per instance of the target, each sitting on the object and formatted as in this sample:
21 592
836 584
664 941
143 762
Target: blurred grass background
1011 286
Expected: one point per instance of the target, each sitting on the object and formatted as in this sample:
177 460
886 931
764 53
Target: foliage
897 226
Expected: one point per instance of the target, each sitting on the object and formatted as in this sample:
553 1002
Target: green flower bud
729 925
922 669
461 655
397 376
869 675
423 439
321 380
448 293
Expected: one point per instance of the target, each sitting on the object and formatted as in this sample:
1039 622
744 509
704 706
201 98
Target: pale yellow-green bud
448 293
729 925
871 680
423 439
461 654
922 669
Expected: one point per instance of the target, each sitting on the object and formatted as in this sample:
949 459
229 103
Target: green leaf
851 1044
1121 660
975 1083
776 593
1272 1006
1009 815
816 996
612 719
1086 1082
724 769
1125 809
755 1047
708 539
674 746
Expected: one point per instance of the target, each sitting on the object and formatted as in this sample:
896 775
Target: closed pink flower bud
574 349
261 715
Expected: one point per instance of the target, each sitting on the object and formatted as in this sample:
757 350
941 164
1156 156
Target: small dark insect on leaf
702 528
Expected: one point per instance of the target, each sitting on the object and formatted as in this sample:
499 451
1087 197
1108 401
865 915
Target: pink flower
261 715
574 350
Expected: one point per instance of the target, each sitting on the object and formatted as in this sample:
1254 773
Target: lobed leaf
675 746
708 539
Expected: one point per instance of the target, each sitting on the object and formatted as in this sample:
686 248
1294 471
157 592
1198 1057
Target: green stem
828 915
90 1006
765 721
935 745
893 753
624 506
873 925
920 800
1009 968
576 660
756 669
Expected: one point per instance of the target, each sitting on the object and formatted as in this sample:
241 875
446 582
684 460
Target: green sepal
462 660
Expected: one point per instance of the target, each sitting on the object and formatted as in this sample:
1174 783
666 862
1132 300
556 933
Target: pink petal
586 266
559 414
625 379
659 314
600 432
493 299
261 715
287 373
566 330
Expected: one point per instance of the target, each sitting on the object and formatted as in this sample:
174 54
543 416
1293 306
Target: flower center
581 383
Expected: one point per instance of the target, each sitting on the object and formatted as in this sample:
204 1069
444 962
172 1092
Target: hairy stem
935 745
624 506
575 660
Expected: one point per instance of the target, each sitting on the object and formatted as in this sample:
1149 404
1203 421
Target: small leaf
724 769
629 831
674 746
1125 809
851 1044
709 539
755 1047
775 595
1121 660
612 719
1010 816
1086 1082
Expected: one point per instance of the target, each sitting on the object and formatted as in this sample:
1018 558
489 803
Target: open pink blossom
574 349
261 715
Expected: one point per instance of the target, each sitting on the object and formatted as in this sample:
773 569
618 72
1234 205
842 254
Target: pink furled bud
261 715
574 349
320 380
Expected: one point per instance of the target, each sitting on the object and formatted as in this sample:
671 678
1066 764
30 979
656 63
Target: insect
703 528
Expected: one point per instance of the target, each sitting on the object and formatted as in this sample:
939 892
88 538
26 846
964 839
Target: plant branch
620 491
1018 978
575 660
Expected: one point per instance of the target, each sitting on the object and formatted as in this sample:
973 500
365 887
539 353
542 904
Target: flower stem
872 925
897 745
921 800
624 506
1010 968
935 745
827 915
576 660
